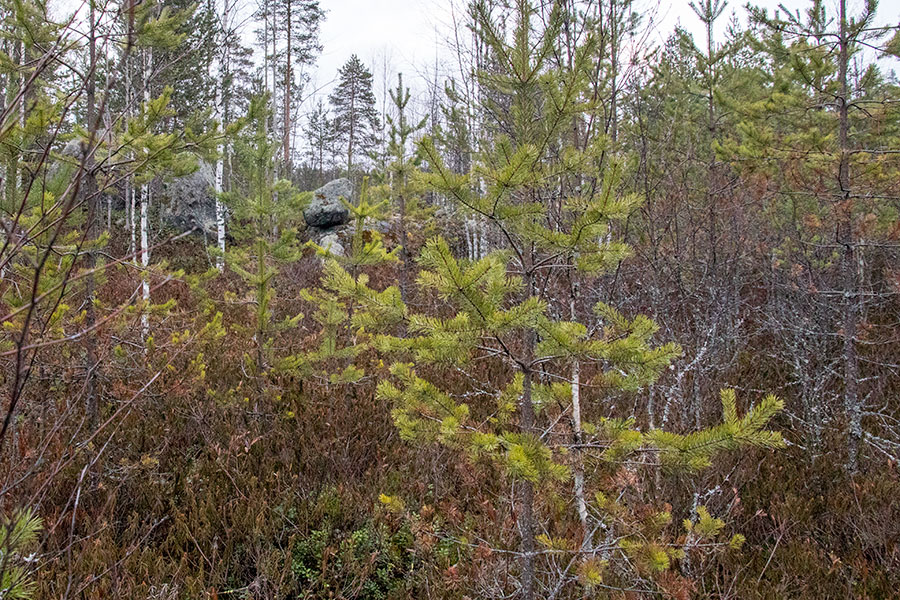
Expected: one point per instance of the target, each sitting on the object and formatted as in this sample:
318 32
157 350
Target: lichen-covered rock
382 226
189 202
73 148
326 209
332 243
66 166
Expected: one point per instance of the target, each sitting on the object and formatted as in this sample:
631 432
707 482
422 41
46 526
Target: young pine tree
18 537
347 310
503 312
267 225
399 170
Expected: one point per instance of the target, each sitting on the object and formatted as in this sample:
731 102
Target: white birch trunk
145 258
220 214
129 178
145 224
580 501
220 172
221 70
132 227
479 237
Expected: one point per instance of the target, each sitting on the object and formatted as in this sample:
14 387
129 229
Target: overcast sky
393 35
407 35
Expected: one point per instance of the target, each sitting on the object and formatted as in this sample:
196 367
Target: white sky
406 35
389 36
409 31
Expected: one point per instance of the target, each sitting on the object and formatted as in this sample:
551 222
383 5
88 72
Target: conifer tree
321 137
612 24
267 225
709 62
299 22
806 117
400 167
290 40
503 309
347 310
355 117
454 137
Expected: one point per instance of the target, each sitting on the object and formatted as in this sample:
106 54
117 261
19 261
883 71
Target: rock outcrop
326 210
66 166
332 243
189 202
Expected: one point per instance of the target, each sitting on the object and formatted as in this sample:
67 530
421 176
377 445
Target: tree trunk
130 213
220 211
145 216
526 428
526 493
614 67
287 97
223 151
711 168
14 81
848 257
405 266
578 470
91 199
274 66
351 124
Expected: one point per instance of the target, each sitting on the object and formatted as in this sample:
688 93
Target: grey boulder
332 243
326 209
189 202
63 169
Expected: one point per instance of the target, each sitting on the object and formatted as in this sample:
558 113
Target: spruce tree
355 116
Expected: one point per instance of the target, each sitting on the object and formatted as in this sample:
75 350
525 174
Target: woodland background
228 409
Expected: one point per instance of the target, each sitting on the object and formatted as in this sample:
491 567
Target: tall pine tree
355 116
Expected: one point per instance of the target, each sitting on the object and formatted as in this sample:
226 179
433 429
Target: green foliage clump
346 310
695 450
369 563
18 536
